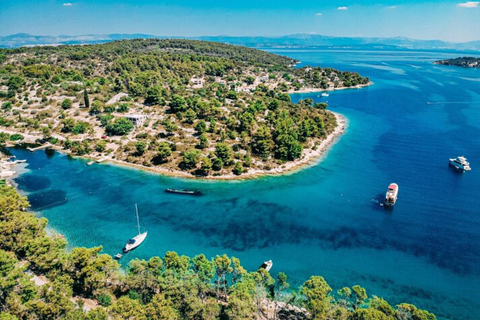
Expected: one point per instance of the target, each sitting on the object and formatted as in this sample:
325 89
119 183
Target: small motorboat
267 265
184 191
117 256
325 94
391 195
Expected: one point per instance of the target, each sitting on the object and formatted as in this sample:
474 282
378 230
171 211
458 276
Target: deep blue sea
324 220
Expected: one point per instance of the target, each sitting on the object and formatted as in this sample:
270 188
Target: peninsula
180 107
466 62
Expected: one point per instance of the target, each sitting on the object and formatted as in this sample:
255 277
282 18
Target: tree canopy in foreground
40 279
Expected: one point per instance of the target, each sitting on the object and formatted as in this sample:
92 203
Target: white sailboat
138 239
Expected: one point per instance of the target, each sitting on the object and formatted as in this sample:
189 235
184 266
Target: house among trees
136 119
197 82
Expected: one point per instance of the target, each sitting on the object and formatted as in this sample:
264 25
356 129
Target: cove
323 220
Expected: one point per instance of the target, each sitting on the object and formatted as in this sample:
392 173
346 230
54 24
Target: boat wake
450 102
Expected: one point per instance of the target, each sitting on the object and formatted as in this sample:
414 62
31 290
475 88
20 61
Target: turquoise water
323 220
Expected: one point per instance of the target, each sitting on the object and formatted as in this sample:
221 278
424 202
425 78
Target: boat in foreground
460 163
267 265
391 195
138 239
184 191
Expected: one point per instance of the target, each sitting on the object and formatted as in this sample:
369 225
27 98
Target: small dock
45 146
97 161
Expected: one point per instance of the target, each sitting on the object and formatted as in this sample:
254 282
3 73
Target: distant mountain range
25 39
296 40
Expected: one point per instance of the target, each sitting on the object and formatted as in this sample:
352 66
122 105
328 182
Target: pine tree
85 97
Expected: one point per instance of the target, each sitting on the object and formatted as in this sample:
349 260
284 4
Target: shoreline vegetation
40 279
178 107
318 90
309 157
465 62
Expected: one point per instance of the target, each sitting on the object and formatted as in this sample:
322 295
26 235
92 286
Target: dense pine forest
40 279
206 109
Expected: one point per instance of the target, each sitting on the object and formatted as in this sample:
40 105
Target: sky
456 21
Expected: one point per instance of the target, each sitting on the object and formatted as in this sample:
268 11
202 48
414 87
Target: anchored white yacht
460 163
267 265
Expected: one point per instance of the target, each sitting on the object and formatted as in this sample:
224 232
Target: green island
40 279
180 107
466 62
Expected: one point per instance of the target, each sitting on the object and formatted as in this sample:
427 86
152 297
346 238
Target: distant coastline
465 62
289 41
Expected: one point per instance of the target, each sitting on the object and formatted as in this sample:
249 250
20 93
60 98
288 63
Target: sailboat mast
138 221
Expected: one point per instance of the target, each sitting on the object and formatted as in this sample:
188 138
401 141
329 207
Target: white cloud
67 4
342 8
469 4
318 14
392 7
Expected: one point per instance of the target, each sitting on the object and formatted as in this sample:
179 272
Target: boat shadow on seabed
378 203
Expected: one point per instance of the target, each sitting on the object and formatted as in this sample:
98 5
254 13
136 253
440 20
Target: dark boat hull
184 192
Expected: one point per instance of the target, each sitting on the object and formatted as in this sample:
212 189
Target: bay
323 220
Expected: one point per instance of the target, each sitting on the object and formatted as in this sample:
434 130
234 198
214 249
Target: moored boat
118 256
391 195
184 191
325 94
267 265
138 239
460 163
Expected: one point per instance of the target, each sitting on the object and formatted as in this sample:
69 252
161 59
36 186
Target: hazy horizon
228 35
452 21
